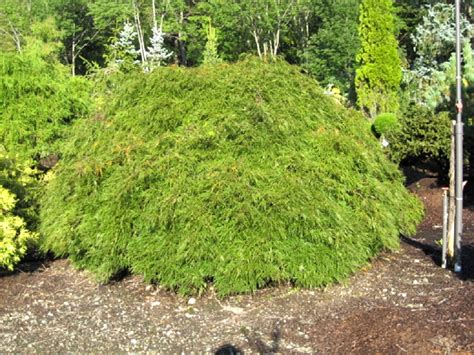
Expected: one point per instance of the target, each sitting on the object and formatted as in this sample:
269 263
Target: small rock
155 304
134 341
418 305
235 310
149 288
192 300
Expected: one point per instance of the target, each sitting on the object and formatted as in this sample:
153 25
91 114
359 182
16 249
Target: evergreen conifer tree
378 78
157 53
125 54
210 53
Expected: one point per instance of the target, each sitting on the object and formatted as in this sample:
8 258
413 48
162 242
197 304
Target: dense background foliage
38 98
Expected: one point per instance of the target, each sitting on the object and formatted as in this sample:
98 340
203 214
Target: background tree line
383 56
321 35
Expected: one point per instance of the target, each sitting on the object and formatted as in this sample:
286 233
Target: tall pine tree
379 75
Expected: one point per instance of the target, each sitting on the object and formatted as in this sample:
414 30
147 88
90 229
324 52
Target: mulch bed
403 303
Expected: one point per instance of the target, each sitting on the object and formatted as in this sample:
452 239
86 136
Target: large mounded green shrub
242 174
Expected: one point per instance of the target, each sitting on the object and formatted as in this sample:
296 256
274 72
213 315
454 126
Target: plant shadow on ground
228 349
33 261
255 342
27 267
432 176
434 253
418 170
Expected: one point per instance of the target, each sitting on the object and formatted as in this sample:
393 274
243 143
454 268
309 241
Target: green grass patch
243 175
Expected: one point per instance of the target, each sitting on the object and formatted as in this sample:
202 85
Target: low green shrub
386 123
422 134
241 174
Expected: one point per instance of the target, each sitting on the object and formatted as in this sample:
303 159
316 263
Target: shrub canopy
421 134
242 174
386 123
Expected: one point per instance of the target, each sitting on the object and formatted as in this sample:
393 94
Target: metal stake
459 145
445 228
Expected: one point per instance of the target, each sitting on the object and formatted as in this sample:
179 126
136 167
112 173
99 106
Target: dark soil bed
403 303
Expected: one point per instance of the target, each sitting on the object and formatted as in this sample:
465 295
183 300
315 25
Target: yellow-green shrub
14 236
17 214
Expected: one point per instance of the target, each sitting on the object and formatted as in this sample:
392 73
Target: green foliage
429 86
422 134
211 55
330 55
266 27
17 213
379 75
38 99
410 15
435 37
16 17
123 54
386 123
432 75
435 89
110 15
243 174
37 102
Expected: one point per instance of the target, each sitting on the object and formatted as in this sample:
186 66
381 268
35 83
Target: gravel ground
402 303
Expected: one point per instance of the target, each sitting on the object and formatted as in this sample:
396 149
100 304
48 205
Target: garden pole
445 228
459 145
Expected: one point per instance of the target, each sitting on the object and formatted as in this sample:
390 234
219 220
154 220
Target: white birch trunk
141 40
257 42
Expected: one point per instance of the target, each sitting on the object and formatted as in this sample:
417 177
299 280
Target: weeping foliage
242 174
